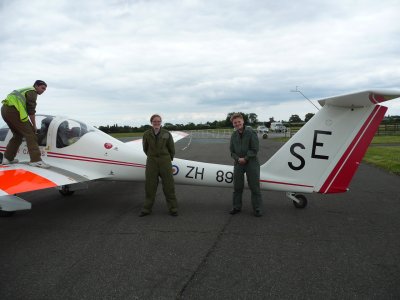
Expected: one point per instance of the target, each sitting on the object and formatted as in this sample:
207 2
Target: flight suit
246 146
15 113
160 151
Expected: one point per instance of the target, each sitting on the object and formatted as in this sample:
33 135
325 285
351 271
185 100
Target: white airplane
322 157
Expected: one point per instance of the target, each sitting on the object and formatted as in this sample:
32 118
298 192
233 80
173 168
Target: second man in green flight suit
244 147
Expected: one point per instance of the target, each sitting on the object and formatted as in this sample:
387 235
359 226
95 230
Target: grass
386 139
387 158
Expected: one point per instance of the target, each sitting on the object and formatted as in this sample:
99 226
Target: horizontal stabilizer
361 99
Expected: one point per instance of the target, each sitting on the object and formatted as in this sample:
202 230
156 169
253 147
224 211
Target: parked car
262 129
278 127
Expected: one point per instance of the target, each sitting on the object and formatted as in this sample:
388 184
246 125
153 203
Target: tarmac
93 245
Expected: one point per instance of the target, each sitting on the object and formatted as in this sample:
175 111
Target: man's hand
33 122
242 161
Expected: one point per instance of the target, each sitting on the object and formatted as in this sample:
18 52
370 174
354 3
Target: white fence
226 134
210 133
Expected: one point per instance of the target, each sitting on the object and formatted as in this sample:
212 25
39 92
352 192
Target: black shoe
235 211
174 213
143 214
257 213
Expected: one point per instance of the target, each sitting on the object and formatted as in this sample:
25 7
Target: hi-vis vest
18 99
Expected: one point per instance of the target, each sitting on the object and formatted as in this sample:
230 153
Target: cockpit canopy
66 131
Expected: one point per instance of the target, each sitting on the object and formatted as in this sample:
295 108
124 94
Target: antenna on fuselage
298 91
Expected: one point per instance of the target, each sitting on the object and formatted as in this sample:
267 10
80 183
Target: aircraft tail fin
325 153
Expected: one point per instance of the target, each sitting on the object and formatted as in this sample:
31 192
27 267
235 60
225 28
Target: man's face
156 123
40 89
237 123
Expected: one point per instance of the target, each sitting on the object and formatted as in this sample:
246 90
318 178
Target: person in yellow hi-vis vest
18 111
158 144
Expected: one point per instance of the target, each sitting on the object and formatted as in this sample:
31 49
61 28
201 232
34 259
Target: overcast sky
120 61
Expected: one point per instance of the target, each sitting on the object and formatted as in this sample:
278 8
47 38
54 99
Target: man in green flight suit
244 147
158 144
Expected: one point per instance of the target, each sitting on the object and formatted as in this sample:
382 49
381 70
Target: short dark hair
154 116
236 116
39 82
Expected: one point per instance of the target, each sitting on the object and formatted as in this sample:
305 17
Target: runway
93 245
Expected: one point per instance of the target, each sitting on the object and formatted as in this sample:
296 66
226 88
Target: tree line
250 119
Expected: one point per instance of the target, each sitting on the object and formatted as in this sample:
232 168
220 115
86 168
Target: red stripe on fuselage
285 183
93 159
341 175
19 181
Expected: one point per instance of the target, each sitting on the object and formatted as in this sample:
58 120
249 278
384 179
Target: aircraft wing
20 178
177 135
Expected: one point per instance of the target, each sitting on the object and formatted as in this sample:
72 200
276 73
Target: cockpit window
44 122
3 133
69 132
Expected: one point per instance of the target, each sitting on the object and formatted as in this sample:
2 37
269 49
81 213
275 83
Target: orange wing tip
19 181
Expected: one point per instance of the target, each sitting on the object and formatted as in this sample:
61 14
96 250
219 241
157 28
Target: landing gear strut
69 189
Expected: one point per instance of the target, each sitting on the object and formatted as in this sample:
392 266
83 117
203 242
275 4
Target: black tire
265 136
65 191
302 201
6 214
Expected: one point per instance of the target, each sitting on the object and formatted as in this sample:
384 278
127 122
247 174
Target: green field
386 139
386 157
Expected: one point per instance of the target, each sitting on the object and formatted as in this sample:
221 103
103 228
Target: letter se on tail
321 157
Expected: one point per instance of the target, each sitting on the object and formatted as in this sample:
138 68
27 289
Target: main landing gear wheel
65 191
301 201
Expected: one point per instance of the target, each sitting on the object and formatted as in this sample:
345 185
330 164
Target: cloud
110 62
